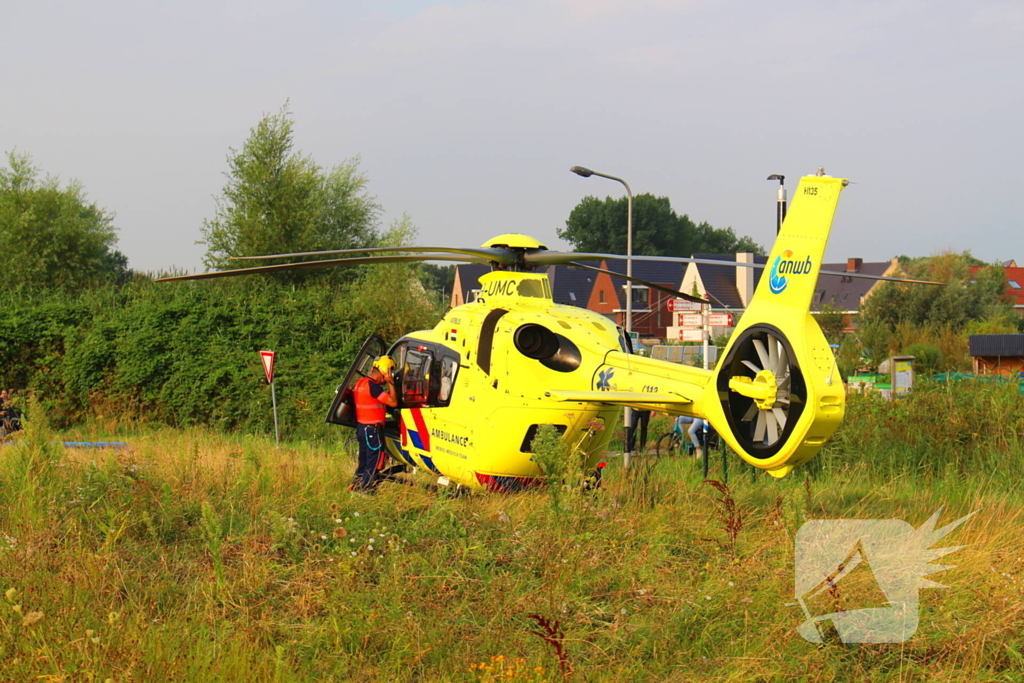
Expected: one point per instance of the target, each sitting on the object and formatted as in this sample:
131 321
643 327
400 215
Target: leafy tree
53 237
278 200
600 226
832 322
964 297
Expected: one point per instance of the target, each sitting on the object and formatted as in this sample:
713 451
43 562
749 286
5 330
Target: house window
639 295
819 294
601 295
1014 284
572 296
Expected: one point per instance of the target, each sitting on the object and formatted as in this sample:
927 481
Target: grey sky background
467 115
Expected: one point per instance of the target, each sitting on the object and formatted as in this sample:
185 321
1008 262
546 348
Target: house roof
997 344
719 280
571 285
845 293
658 272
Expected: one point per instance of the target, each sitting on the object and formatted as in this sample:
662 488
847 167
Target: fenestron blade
358 261
762 353
752 366
503 256
773 426
759 429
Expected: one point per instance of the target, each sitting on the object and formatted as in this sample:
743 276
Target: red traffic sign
691 320
676 305
720 320
268 364
692 335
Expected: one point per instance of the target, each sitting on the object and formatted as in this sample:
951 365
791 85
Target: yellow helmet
384 364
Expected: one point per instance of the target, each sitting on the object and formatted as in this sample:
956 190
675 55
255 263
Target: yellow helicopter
474 390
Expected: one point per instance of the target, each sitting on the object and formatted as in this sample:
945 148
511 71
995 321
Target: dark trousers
371 455
641 418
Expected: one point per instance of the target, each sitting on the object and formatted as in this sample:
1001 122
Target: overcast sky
468 114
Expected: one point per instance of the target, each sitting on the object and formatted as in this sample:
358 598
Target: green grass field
194 556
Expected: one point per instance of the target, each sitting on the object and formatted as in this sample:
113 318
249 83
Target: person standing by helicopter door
372 396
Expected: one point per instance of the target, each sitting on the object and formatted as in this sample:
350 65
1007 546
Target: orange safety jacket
369 411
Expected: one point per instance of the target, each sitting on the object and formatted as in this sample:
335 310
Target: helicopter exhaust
553 350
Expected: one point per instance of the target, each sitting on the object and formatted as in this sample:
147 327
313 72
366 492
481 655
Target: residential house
650 311
1015 282
848 294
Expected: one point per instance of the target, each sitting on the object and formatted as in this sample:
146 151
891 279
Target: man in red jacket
372 396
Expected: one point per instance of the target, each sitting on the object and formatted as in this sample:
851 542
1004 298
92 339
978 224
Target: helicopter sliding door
343 411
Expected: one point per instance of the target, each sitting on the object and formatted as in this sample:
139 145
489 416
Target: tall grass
194 556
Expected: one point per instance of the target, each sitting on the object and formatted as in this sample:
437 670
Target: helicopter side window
416 378
449 368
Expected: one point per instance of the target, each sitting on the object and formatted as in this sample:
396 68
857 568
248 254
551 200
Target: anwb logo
859 579
786 265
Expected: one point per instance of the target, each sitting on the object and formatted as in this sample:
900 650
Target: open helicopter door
343 410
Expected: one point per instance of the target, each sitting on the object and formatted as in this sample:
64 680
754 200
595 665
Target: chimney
853 265
745 278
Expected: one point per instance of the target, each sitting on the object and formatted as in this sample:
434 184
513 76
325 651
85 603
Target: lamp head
582 171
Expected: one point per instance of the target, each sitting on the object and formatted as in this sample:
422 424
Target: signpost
692 335
677 305
720 320
267 357
696 326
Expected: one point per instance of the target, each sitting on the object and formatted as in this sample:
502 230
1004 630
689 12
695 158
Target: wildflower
31 618
707 597
11 592
16 608
323 537
337 521
355 514
731 583
112 618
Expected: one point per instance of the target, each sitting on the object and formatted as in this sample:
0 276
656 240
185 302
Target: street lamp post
586 173
780 205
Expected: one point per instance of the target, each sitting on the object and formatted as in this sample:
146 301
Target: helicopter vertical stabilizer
777 394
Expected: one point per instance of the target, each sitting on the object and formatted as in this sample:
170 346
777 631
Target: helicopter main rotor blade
407 258
556 257
502 256
645 283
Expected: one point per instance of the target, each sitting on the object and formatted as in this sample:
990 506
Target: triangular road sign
268 364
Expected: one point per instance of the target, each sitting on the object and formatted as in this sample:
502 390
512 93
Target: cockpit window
534 288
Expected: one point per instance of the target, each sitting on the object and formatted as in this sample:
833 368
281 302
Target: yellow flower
11 592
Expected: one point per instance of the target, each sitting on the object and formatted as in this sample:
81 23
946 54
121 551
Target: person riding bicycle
695 431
